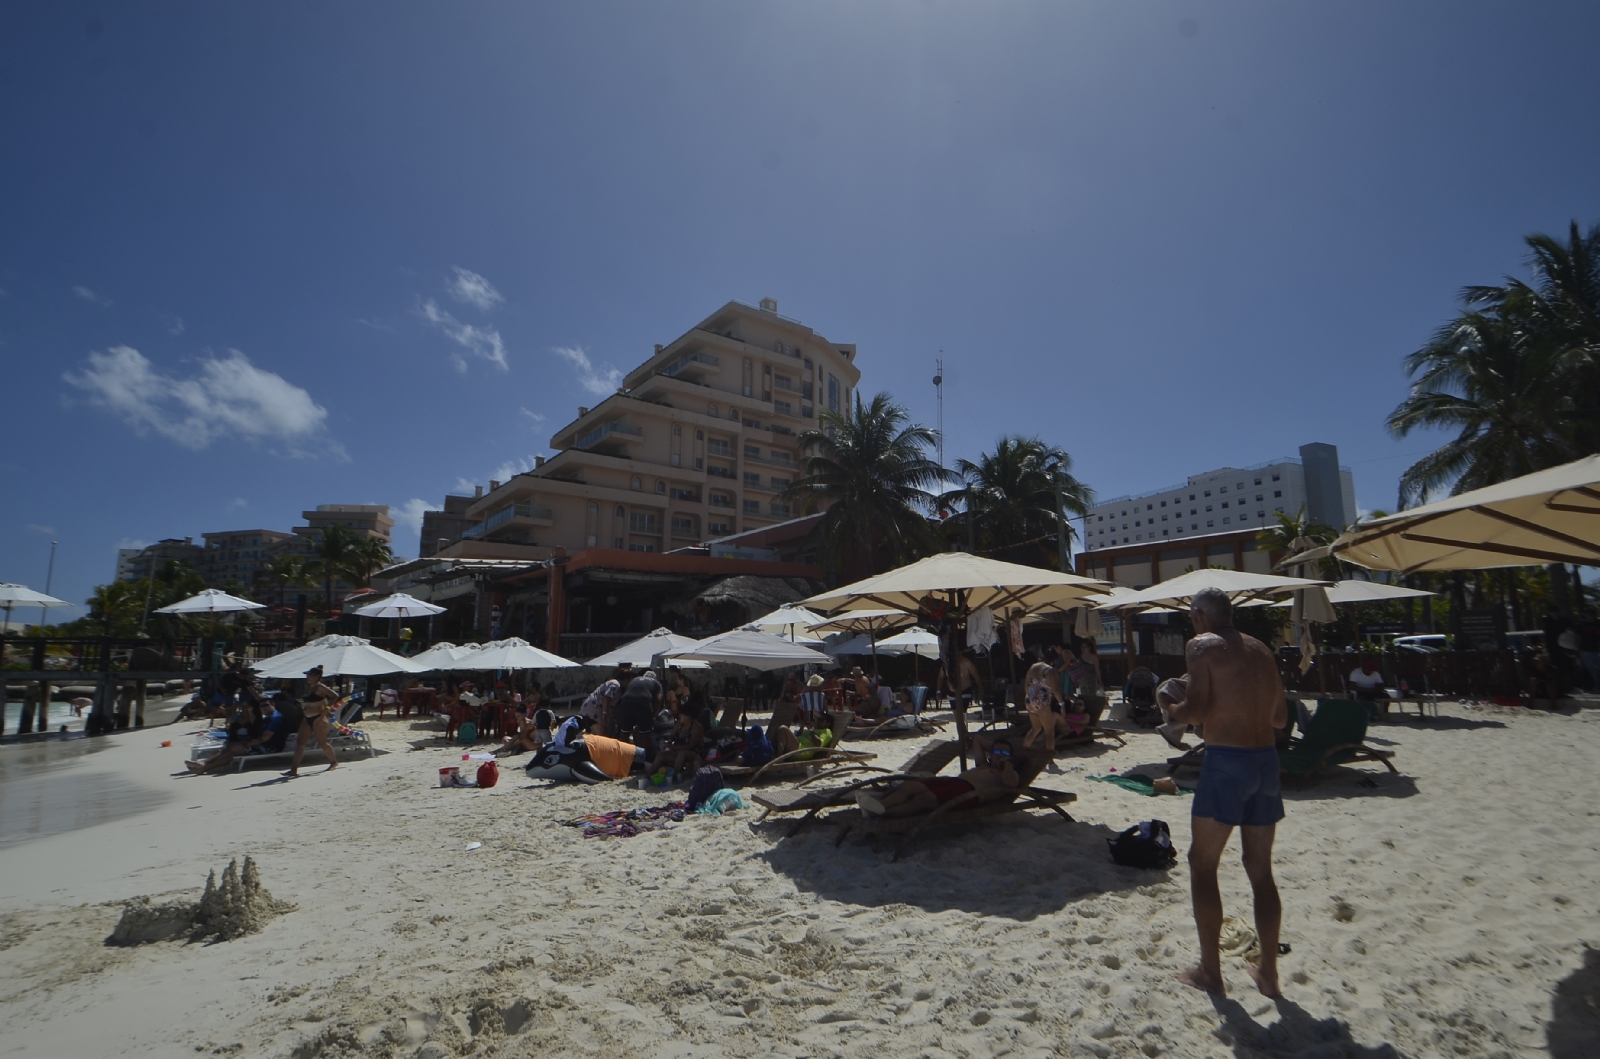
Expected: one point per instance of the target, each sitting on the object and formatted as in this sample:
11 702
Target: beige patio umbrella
1000 586
1240 586
1549 516
1354 591
789 619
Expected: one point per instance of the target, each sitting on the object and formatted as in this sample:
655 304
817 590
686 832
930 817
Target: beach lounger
1336 736
810 800
961 810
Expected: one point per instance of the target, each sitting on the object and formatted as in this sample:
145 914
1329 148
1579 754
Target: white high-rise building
1227 500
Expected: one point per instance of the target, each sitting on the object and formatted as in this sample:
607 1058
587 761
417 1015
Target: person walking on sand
319 702
1234 690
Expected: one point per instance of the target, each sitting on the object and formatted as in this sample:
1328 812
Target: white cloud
173 323
48 531
230 397
536 418
473 289
91 297
502 474
598 382
483 342
239 502
409 514
132 542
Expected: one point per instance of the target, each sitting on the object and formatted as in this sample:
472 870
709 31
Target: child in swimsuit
1040 718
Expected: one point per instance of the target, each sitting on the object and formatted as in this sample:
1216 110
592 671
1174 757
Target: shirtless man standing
1234 690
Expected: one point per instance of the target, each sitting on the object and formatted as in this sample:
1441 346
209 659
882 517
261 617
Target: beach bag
1147 844
467 733
707 781
488 774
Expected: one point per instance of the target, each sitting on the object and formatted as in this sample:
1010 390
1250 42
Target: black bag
1147 844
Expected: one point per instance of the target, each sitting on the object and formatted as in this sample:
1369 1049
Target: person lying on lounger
991 777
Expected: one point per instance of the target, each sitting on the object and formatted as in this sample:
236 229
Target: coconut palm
367 556
1503 390
331 554
283 571
1021 495
868 470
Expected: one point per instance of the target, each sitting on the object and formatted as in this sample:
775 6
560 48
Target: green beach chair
1336 736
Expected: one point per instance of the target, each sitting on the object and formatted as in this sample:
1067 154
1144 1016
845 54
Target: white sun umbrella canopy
1355 591
642 652
444 656
515 653
211 601
754 649
790 620
860 644
400 605
22 596
1240 586
339 656
915 640
1549 516
990 583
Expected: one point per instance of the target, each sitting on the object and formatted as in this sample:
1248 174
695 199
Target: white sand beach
1447 911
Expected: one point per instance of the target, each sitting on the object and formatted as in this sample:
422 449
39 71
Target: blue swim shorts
1239 786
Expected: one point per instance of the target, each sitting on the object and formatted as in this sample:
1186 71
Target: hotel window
1224 505
780 483
699 435
1208 492
1276 493
1208 507
833 394
1261 514
616 542
1209 523
1194 525
752 507
1258 498
677 431
621 511
733 414
752 480
1239 486
1258 481
752 452
1191 496
1226 521
1136 523
717 527
1274 478
1223 489
1163 503
661 486
636 483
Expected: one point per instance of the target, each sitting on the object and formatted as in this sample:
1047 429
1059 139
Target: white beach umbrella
400 605
1000 586
443 655
860 644
754 649
211 601
514 653
641 652
1549 516
22 596
339 656
1240 586
789 620
1356 591
915 640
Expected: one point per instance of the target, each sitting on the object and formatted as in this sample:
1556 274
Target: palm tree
367 556
868 470
1021 494
1505 392
283 571
331 553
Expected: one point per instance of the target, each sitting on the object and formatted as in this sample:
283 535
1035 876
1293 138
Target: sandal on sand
870 804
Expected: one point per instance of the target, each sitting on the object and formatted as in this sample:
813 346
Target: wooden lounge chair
1336 736
964 809
810 800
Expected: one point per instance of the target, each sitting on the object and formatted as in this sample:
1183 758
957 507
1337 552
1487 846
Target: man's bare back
1234 689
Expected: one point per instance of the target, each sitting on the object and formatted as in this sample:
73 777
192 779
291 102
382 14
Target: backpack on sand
1147 844
488 774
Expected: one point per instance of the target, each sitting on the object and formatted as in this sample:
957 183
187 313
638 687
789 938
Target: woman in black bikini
319 700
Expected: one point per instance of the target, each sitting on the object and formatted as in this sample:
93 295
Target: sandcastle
239 905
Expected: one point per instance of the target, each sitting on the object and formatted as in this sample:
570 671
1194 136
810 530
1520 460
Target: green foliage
1018 496
1516 375
868 470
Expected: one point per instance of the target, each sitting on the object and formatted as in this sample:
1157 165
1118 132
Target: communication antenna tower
938 392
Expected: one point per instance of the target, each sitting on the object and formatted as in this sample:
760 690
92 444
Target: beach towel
1139 783
611 756
625 823
724 801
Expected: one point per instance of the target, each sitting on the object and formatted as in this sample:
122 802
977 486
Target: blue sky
257 257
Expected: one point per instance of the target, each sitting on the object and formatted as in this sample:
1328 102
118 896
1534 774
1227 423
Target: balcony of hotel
610 438
693 366
529 513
